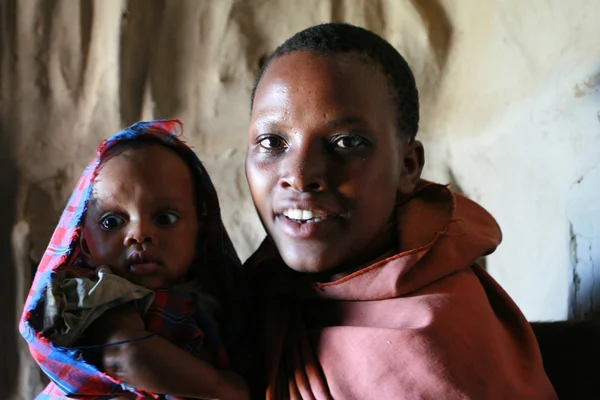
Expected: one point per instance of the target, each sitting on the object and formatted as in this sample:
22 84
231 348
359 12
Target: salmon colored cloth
425 323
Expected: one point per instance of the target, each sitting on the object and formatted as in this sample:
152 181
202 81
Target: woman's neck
381 247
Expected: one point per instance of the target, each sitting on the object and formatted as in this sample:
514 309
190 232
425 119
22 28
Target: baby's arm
156 365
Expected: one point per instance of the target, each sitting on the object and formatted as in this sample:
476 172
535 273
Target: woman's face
325 161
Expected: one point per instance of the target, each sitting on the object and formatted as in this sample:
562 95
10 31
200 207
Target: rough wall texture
511 116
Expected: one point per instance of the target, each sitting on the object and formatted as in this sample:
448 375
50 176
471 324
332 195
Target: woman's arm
156 365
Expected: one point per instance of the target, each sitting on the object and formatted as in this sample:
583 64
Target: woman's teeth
305 215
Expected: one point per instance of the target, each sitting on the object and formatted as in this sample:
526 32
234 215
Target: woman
367 282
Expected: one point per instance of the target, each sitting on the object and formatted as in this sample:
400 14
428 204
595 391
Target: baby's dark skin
156 365
142 223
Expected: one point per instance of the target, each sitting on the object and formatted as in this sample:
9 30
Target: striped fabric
174 314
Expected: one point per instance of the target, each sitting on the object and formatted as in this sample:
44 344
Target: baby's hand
119 323
157 366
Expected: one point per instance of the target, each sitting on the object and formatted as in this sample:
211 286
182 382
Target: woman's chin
315 263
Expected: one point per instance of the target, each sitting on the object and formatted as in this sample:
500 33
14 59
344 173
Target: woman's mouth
305 216
308 223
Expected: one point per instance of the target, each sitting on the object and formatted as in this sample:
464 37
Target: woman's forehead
341 86
310 70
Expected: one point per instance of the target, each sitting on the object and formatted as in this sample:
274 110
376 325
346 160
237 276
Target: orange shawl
426 322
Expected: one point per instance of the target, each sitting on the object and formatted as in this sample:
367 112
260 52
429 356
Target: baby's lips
144 269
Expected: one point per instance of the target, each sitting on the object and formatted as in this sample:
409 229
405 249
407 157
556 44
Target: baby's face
142 220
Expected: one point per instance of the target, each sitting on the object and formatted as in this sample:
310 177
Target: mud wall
510 116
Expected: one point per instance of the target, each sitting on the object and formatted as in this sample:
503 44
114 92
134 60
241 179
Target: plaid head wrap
219 270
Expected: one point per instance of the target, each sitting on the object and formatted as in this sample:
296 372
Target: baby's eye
111 222
272 142
166 218
348 142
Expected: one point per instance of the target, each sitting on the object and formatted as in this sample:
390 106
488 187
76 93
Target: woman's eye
166 219
111 222
272 142
348 142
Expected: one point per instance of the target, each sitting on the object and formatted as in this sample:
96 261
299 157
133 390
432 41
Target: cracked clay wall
510 97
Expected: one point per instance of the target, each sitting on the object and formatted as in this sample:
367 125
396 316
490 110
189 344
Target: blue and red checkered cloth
219 269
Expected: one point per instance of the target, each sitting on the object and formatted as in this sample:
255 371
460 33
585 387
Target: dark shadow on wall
584 296
9 361
139 35
9 356
571 350
439 28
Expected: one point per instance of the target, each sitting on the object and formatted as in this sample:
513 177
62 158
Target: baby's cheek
104 254
104 251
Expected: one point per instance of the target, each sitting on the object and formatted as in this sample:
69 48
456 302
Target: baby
141 233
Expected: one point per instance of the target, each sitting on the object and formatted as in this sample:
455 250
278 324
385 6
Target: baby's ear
85 249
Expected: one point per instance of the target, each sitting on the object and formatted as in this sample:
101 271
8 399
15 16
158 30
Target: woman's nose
304 170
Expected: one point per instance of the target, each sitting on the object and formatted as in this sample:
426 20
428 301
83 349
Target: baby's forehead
135 149
153 168
141 195
148 156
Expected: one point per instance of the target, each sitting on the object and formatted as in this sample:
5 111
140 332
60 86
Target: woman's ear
412 162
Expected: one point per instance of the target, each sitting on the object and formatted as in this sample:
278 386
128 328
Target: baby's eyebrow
168 200
97 200
94 203
93 200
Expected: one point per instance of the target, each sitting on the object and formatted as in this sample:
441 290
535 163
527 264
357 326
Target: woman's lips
310 228
305 215
309 218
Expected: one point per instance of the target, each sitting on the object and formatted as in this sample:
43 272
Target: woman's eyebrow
350 120
270 122
267 121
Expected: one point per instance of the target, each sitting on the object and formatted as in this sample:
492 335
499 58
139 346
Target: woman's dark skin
324 138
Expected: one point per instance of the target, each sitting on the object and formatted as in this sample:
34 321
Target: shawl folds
424 323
